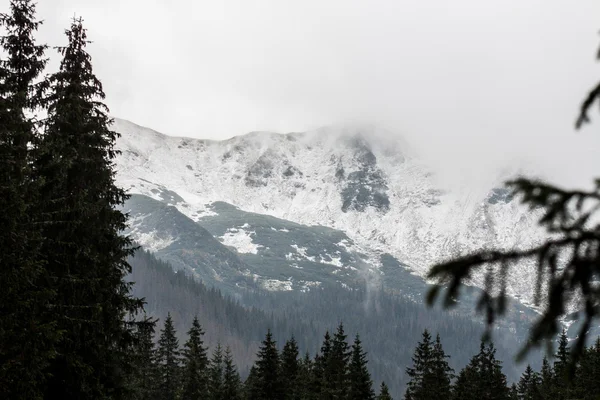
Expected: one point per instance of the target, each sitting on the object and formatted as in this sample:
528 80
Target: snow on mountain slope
361 181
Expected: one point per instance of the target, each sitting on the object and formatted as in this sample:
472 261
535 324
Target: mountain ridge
380 196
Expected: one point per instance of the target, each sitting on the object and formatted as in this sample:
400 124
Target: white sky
468 82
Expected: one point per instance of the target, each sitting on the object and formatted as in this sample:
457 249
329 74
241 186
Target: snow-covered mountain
363 182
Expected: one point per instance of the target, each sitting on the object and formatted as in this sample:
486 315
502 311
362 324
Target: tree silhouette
569 260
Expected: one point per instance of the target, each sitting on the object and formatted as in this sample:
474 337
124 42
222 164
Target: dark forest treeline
339 369
388 325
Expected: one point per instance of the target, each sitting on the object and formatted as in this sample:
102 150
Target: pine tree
546 380
84 251
145 373
215 374
169 362
304 388
290 367
561 372
529 385
482 378
421 385
319 378
336 366
195 365
442 373
384 392
513 392
27 331
268 365
360 383
252 385
232 387
586 383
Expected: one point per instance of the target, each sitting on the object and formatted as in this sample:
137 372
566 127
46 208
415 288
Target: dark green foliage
27 331
290 368
169 362
482 379
232 385
304 379
336 365
430 374
268 370
145 373
384 393
529 385
569 260
85 254
360 386
546 379
215 373
251 385
195 365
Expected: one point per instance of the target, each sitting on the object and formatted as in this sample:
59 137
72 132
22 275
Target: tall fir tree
84 251
384 392
195 364
441 370
232 387
290 367
304 381
252 385
546 380
360 385
27 331
169 362
421 384
268 369
482 378
215 373
587 380
336 365
528 387
145 374
319 378
563 370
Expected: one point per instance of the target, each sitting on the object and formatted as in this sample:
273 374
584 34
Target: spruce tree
215 373
482 378
421 385
587 383
195 365
336 366
528 387
562 372
304 381
384 392
268 365
546 380
319 378
232 386
290 367
169 362
252 385
360 383
84 250
145 373
441 370
27 331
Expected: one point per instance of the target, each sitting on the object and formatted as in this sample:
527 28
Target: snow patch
241 240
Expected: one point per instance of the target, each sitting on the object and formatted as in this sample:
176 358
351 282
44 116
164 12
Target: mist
476 87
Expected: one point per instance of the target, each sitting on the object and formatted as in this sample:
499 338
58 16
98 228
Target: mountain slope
361 182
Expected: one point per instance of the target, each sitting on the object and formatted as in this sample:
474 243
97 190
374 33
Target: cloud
468 82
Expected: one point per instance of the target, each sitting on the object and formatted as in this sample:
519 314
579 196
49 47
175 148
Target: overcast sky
492 81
